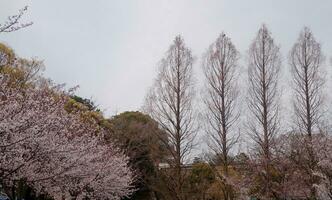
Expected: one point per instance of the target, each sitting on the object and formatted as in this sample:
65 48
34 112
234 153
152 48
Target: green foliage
200 179
137 132
22 190
86 102
201 173
7 56
139 136
88 115
21 72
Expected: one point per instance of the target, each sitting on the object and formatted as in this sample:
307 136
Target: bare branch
305 59
221 93
264 67
170 103
13 22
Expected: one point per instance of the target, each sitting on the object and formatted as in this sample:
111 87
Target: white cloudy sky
111 47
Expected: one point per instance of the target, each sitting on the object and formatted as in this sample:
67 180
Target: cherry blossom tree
291 152
56 152
323 146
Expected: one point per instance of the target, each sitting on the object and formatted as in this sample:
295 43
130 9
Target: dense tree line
279 165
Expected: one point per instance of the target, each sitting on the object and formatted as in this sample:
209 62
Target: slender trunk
178 128
306 58
13 196
220 69
170 104
266 145
309 132
263 101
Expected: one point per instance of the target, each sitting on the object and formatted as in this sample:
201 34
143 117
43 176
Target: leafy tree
7 56
86 102
139 136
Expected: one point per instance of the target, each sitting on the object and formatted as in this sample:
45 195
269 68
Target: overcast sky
111 48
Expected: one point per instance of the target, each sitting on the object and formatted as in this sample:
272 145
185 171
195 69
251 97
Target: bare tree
13 22
263 71
221 92
306 59
170 104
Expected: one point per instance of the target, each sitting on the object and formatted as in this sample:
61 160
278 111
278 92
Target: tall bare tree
305 60
13 22
221 92
263 71
170 103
